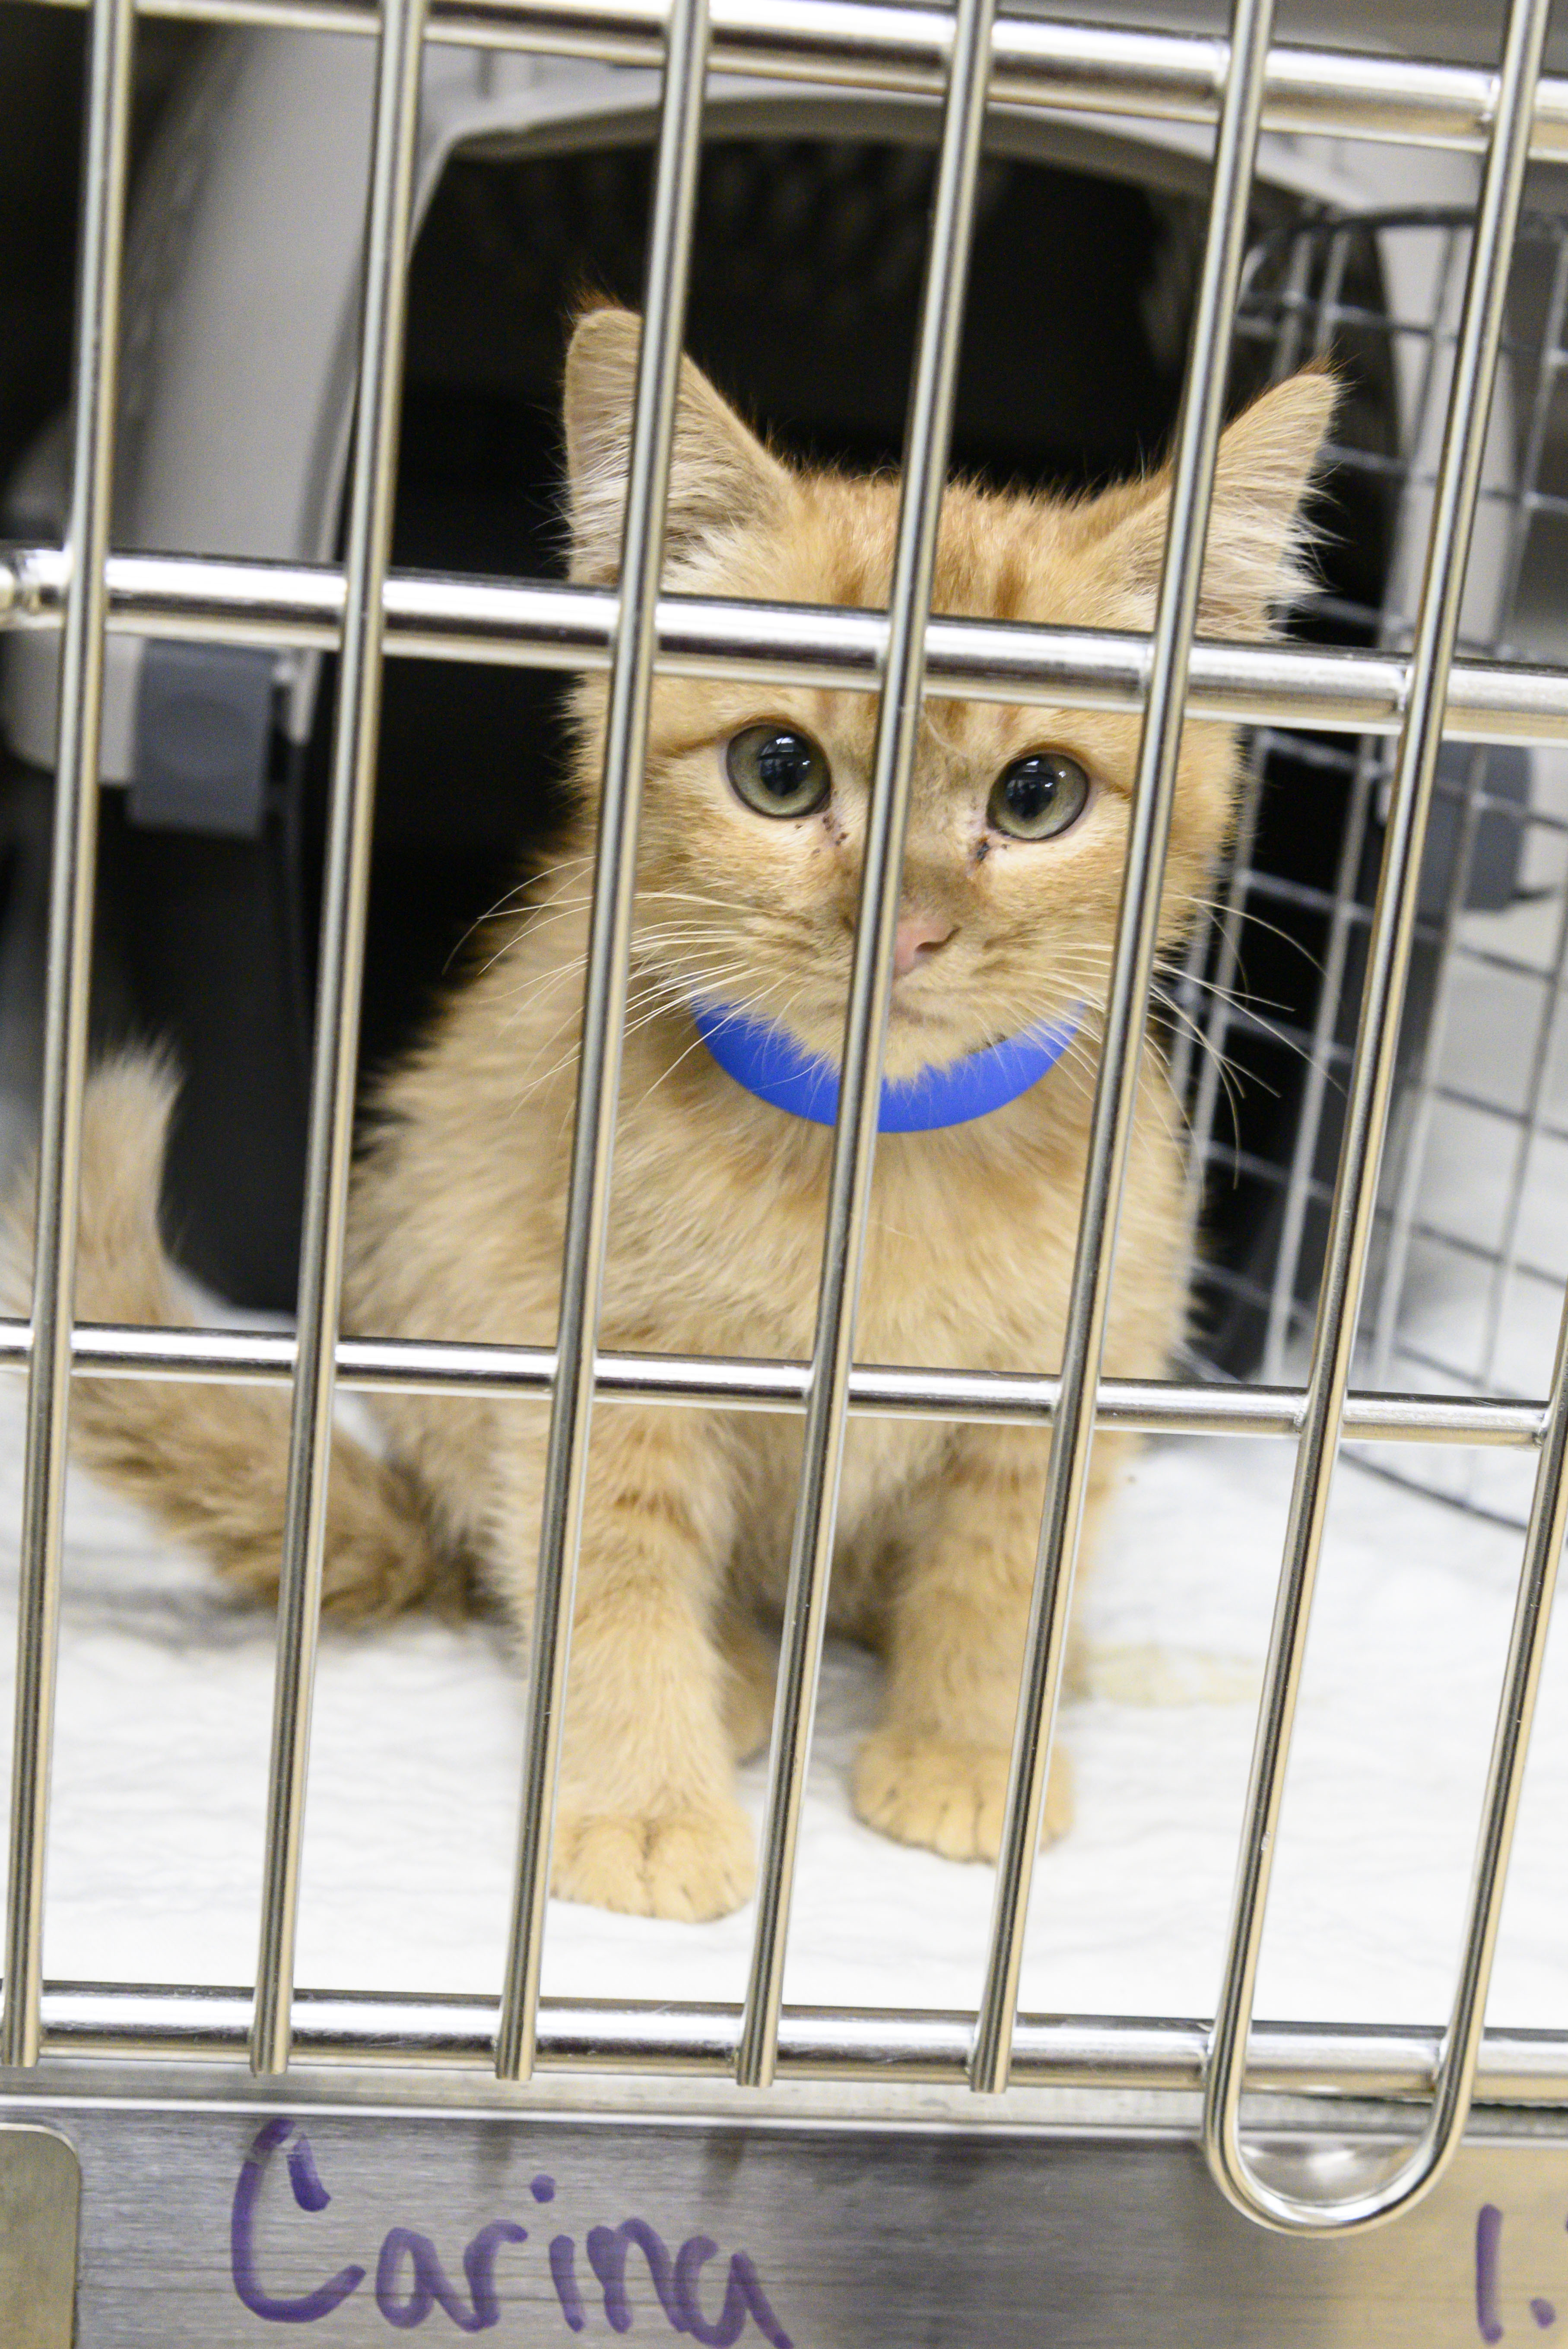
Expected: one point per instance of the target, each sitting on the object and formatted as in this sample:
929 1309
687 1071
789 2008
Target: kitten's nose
918 935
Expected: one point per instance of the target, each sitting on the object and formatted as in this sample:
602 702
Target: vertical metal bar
355 730
604 1008
1211 1021
1183 1043
1541 411
1395 1260
1297 300
1314 1088
1421 1089
1212 1025
1505 1773
68 984
1137 942
1440 2135
1350 1227
1506 1263
1309 1123
926 447
1551 1014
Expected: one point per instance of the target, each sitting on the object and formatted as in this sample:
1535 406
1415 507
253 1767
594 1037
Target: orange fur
715 1230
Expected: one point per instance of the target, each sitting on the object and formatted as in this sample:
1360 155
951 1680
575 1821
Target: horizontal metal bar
1224 1158
1088 68
1552 978
537 625
385 2030
994 1398
1461 1097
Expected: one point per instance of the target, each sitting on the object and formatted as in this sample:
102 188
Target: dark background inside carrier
807 271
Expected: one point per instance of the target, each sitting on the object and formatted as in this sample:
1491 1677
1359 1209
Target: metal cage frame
974 59
1495 814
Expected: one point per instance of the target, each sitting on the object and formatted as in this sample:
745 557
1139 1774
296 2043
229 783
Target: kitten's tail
210 1461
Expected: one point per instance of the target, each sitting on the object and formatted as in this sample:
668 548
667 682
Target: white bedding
164 1712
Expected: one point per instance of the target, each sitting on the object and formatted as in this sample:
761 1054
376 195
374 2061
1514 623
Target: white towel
165 1705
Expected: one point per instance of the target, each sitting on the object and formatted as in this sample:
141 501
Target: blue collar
769 1064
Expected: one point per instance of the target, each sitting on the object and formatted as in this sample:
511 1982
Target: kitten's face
755 805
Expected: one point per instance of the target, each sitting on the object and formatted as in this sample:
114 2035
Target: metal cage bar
1218 993
927 444
604 1006
356 734
1534 1125
68 985
1126 1016
387 2033
1474 952
1404 1212
1403 1223
737 1382
1350 1225
1282 1306
1036 62
532 625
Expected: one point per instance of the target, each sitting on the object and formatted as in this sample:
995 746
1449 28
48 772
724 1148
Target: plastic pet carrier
532 187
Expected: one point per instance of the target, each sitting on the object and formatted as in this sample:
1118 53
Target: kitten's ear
721 476
1254 563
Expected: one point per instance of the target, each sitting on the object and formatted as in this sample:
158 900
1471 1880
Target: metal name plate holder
845 2206
207 2226
40 2206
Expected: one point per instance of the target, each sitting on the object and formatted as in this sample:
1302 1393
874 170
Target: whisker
745 1009
669 995
1242 1006
1222 1069
1218 911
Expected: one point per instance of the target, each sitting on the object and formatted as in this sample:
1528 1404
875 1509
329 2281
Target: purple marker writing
411 2281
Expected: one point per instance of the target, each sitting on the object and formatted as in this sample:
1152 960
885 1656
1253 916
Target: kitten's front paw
693 1864
948 1797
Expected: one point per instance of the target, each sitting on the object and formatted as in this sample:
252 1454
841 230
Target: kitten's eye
779 770
1039 795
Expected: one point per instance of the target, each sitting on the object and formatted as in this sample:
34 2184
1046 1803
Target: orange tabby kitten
749 874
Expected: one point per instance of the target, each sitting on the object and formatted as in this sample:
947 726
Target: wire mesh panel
1469 1258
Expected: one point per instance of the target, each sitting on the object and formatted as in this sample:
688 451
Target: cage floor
164 1712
